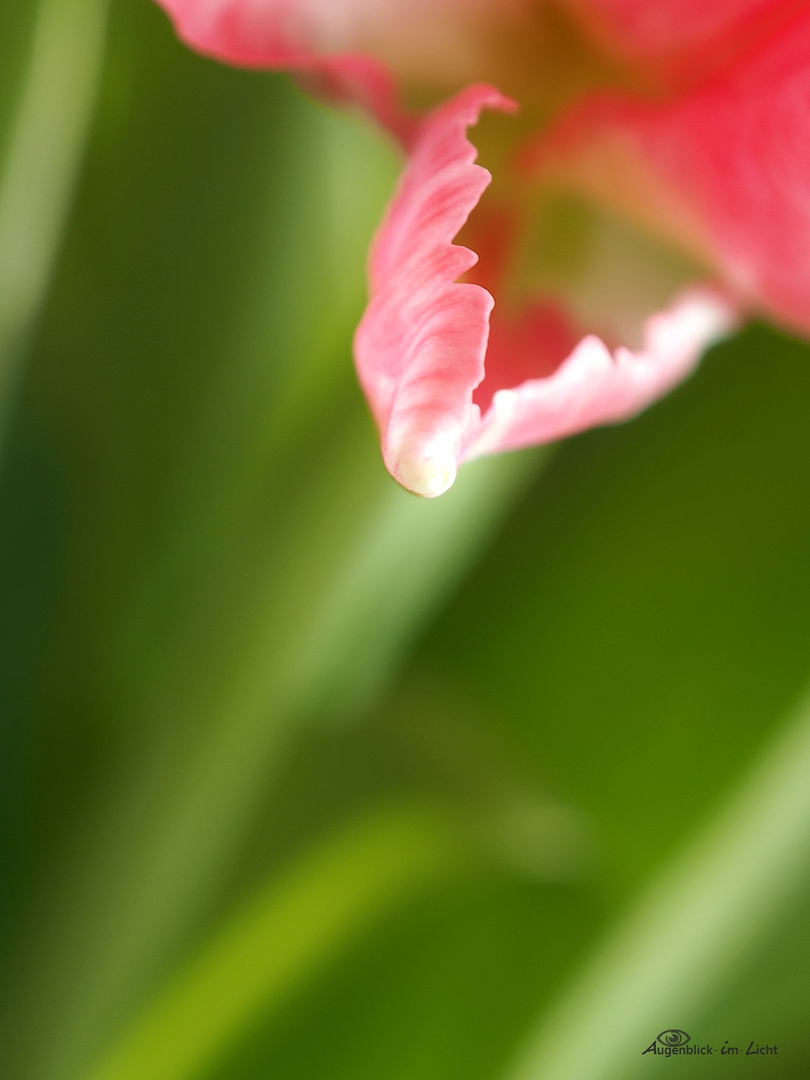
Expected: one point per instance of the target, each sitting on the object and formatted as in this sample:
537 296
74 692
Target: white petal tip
427 476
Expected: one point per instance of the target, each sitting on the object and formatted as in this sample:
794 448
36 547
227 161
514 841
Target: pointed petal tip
428 473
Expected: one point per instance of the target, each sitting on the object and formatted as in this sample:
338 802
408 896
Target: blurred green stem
684 938
290 931
41 165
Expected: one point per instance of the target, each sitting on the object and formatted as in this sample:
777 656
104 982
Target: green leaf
287 932
41 164
687 935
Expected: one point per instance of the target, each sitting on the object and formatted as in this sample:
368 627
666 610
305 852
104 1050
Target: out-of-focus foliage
303 777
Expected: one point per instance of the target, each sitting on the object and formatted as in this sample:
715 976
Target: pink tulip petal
725 169
654 27
312 38
739 152
595 386
718 157
421 344
531 345
357 51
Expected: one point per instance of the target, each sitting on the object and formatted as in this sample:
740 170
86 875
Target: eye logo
673 1037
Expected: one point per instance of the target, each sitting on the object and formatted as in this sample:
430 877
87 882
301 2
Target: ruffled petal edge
596 386
421 344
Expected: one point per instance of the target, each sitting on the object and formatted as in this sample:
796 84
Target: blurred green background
302 776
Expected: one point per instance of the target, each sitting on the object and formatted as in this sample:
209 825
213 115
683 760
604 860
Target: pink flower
651 168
